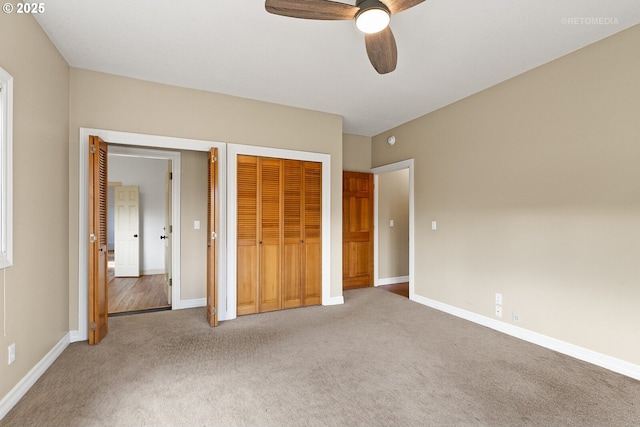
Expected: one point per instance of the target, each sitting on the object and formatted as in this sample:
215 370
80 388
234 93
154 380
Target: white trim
74 336
325 159
581 353
23 386
153 272
405 164
115 138
335 301
6 169
391 280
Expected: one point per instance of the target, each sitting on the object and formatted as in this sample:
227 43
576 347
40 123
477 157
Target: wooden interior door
212 236
312 234
270 234
98 187
247 239
127 230
357 230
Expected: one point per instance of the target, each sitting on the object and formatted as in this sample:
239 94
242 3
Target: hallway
127 294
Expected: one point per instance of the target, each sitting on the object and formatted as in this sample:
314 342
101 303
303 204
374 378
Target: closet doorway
279 233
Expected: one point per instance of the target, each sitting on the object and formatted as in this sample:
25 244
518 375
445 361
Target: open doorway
139 225
393 217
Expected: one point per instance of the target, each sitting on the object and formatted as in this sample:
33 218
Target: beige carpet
377 360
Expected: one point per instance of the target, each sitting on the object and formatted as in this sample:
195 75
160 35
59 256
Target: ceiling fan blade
382 50
396 6
311 9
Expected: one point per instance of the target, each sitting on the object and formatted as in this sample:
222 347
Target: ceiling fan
372 18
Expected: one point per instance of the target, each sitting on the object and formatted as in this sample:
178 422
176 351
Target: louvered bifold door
270 234
293 235
312 234
247 256
98 298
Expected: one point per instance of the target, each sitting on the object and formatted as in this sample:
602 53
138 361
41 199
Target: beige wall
356 153
535 184
37 285
105 101
393 242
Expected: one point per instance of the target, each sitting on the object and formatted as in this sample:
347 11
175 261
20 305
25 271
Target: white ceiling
447 49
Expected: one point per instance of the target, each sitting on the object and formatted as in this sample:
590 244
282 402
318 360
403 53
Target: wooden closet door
312 236
293 234
270 214
247 256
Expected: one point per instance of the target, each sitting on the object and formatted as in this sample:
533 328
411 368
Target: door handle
135 235
163 237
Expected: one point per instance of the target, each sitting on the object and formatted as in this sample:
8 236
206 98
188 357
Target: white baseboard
74 336
581 353
152 272
189 303
20 389
335 301
392 280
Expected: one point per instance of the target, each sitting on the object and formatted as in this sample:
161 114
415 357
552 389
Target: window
6 169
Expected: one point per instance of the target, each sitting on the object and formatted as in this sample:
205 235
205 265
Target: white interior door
127 230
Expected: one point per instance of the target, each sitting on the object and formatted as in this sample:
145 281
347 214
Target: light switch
196 225
391 223
434 226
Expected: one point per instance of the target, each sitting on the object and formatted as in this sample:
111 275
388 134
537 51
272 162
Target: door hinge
93 326
214 159
171 229
170 176
170 282
214 235
92 238
93 149
213 310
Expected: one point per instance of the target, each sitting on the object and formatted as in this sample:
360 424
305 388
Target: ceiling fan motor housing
371 4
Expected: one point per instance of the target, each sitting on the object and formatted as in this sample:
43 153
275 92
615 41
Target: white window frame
6 169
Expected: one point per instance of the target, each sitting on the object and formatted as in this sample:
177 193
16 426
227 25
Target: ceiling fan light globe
371 21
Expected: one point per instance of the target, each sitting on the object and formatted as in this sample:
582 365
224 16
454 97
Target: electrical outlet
516 316
498 311
498 298
12 353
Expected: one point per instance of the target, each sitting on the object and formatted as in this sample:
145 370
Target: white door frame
405 164
115 140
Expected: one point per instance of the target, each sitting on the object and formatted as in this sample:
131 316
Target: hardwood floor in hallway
128 294
397 288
